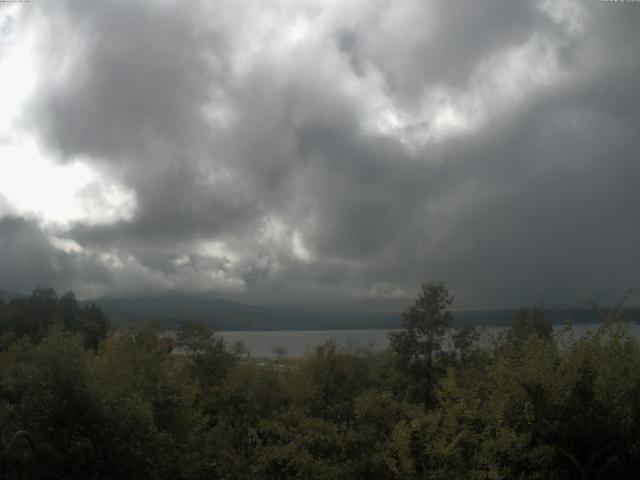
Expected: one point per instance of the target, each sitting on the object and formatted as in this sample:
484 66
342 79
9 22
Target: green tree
154 425
32 317
528 322
418 346
249 396
334 379
194 336
465 342
212 364
47 387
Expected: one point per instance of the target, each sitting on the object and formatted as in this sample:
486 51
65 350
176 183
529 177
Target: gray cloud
29 259
260 169
419 45
137 81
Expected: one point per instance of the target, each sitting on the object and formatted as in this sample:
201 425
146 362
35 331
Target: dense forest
132 403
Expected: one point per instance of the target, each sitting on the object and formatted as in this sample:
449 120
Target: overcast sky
333 153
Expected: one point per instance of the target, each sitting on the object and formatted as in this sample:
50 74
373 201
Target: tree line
437 404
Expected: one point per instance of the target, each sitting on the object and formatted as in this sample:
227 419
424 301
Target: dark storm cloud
28 258
137 81
254 168
133 100
366 193
559 218
552 216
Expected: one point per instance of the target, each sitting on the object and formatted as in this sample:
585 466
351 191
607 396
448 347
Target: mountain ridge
223 314
169 311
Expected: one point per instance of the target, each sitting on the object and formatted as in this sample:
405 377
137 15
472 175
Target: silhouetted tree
419 344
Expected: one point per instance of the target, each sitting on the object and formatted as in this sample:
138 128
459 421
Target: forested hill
170 311
222 314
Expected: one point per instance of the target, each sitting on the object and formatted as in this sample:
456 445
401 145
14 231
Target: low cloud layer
334 153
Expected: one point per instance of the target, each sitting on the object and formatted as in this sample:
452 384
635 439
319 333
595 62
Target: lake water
296 342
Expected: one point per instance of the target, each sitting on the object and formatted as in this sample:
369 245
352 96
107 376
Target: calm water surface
297 342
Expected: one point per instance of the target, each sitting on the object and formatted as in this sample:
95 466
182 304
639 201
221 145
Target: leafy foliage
438 404
418 347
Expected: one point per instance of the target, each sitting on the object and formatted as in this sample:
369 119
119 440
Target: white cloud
280 237
31 182
17 70
59 193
